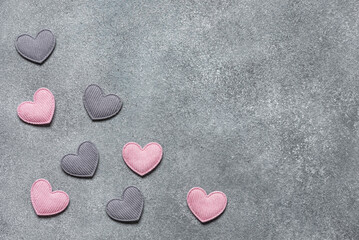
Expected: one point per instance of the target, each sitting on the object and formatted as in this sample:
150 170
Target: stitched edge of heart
103 95
142 149
51 192
121 199
78 149
207 196
34 60
34 98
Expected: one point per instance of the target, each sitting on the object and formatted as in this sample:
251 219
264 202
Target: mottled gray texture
257 99
38 48
100 106
82 164
127 208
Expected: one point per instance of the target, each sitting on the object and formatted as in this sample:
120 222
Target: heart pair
129 207
205 207
47 202
85 162
41 111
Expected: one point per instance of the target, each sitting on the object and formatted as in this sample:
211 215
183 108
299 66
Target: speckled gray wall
258 99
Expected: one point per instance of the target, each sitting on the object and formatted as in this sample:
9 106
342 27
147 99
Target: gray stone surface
258 99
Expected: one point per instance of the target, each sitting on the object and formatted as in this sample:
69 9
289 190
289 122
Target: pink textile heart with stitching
41 110
206 207
46 202
142 160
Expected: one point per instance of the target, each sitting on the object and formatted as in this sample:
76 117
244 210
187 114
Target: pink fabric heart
46 202
142 160
206 207
41 110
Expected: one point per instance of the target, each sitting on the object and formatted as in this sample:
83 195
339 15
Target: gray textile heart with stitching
127 209
36 49
82 164
100 106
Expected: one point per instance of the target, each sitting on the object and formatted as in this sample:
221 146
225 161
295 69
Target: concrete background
258 99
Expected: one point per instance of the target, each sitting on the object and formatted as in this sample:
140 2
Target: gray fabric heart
84 163
99 106
36 49
127 209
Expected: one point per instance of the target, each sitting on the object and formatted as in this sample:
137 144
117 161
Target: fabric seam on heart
51 192
122 199
84 100
143 149
77 175
207 196
34 98
42 60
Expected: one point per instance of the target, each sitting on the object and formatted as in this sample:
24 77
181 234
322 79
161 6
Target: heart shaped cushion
127 209
46 202
36 49
100 106
206 207
84 163
142 160
40 111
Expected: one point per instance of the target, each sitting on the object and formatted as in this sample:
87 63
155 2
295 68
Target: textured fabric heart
206 207
46 202
84 164
127 209
36 49
142 160
100 106
40 111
